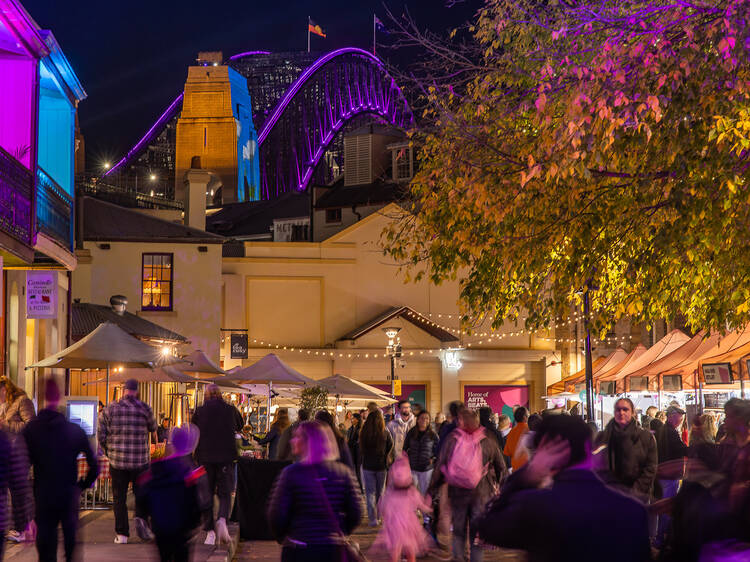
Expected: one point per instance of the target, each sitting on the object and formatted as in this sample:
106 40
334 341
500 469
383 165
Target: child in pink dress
402 532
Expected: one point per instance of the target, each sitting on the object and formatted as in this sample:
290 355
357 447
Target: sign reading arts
239 346
41 294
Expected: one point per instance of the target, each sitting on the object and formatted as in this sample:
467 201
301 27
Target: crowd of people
647 486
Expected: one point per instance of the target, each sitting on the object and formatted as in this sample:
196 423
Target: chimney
196 189
118 303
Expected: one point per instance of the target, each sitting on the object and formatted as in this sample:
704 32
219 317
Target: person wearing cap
672 449
124 430
54 444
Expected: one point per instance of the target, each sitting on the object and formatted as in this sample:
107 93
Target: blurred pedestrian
345 455
124 430
162 432
400 425
273 437
485 415
285 447
172 495
352 441
402 534
449 426
631 456
218 423
17 410
315 503
376 448
54 444
513 449
14 478
420 446
672 451
437 425
472 465
577 509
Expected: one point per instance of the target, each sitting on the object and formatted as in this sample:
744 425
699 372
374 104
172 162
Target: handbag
352 552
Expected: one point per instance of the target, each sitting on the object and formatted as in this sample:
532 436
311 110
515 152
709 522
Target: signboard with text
501 398
239 346
718 373
41 294
671 383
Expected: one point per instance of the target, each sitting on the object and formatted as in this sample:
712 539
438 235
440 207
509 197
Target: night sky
132 57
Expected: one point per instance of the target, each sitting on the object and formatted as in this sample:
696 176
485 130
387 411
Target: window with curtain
156 282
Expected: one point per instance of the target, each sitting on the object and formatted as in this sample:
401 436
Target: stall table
255 479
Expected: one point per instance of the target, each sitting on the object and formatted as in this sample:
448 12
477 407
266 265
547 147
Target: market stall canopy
160 374
731 351
108 345
666 345
634 354
270 369
349 390
560 386
199 365
677 356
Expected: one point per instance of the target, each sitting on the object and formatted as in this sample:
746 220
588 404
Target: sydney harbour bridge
302 105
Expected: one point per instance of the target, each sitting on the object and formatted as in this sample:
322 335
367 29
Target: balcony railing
54 210
123 196
16 183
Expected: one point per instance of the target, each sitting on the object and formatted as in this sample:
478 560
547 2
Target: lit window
403 164
333 215
157 282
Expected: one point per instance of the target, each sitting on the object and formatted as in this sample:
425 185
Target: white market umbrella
105 346
349 390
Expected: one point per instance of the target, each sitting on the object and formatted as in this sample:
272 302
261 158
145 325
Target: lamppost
587 351
394 351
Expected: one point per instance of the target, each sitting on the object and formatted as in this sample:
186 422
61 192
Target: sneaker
121 539
210 538
142 528
222 532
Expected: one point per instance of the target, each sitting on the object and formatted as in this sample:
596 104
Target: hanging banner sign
239 346
671 383
501 398
638 383
718 373
41 294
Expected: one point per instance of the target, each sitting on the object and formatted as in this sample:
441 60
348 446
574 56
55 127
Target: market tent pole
106 388
268 410
658 392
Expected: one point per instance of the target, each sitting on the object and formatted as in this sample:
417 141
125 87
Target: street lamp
152 177
394 351
107 165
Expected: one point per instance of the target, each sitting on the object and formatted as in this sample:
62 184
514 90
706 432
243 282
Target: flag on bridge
312 27
380 26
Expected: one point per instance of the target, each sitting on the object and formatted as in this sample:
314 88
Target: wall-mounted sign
501 398
41 294
239 346
452 359
638 383
608 387
671 382
718 373
414 393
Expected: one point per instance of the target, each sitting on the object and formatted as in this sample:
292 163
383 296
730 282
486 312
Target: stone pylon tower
216 125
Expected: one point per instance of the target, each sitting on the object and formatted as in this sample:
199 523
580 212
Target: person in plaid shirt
124 429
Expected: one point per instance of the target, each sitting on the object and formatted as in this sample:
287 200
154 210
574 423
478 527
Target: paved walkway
96 535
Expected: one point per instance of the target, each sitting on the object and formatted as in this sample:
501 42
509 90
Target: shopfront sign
718 373
501 398
239 346
671 383
638 383
414 393
41 294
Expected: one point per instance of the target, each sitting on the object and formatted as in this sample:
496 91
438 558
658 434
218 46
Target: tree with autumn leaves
591 145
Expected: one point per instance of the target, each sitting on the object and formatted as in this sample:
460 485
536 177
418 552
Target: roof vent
118 303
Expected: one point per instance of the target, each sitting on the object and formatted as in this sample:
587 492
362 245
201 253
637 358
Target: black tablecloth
255 478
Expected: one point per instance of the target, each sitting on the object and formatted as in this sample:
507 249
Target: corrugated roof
104 221
252 218
87 317
407 314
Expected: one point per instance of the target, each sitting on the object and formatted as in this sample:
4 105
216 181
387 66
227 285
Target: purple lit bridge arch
337 87
332 91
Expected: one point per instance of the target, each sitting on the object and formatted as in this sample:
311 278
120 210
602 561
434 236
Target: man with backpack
473 466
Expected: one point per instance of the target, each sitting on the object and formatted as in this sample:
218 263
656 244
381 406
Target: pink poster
501 399
414 393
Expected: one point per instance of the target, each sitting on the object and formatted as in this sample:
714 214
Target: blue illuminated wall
56 132
248 164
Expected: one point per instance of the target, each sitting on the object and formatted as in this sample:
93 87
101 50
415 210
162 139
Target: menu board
717 373
501 398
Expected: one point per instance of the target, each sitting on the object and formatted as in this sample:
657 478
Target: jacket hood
400 419
52 417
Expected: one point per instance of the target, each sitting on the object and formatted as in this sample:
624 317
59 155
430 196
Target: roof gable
405 314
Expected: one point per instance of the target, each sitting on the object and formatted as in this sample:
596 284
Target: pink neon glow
249 53
299 82
16 95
